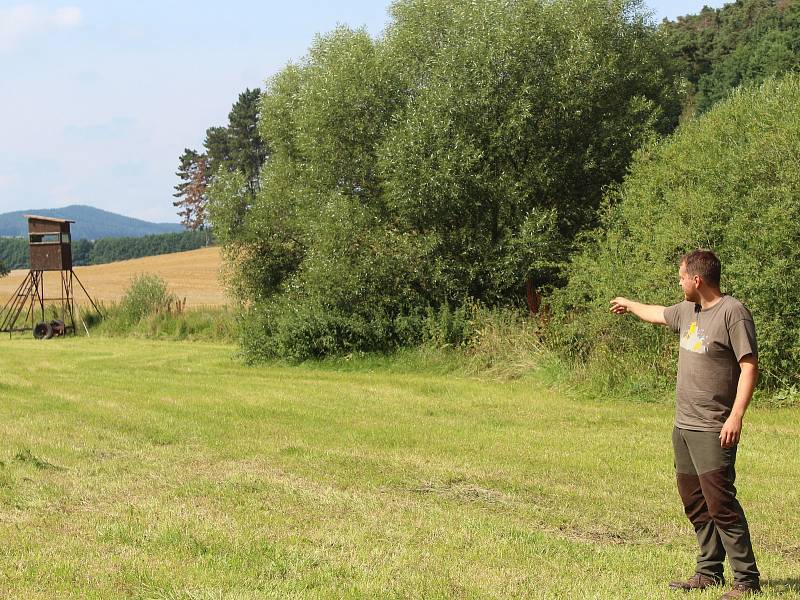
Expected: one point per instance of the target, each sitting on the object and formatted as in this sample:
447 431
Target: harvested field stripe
194 275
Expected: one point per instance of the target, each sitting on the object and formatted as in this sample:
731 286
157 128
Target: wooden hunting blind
50 249
50 244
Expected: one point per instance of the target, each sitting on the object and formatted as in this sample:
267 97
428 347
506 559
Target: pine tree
247 150
238 147
217 145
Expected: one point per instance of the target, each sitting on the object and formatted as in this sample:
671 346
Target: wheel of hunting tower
43 331
59 327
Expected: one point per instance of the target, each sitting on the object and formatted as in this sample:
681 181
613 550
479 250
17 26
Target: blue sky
99 98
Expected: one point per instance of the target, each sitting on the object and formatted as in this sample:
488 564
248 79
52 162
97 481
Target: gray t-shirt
712 343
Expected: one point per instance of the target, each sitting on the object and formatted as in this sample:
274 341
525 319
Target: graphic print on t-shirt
694 340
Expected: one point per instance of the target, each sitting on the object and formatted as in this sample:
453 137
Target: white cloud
67 17
23 21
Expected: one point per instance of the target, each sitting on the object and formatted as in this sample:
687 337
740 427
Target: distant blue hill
90 223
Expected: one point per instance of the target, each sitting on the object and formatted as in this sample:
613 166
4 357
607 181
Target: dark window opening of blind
45 238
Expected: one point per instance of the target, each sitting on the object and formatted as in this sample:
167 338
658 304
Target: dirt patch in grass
25 456
461 490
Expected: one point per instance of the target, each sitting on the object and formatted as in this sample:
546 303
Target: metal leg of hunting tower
38 293
13 308
73 274
67 300
29 293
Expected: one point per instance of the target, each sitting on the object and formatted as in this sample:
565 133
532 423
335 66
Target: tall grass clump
197 323
501 343
149 310
728 181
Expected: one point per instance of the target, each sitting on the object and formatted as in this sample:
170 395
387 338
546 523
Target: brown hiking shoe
696 582
742 590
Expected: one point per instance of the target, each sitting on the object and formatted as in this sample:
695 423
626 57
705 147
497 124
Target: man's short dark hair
703 263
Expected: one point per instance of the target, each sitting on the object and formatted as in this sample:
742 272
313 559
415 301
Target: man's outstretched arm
652 313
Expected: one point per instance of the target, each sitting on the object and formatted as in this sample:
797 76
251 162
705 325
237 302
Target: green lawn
140 469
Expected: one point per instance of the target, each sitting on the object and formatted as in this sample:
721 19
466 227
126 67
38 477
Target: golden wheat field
193 275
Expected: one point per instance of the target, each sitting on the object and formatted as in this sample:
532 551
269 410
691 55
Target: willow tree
453 158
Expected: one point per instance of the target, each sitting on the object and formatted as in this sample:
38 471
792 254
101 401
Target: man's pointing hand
619 305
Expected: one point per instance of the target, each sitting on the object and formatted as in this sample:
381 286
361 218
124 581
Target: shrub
728 181
146 295
360 290
449 327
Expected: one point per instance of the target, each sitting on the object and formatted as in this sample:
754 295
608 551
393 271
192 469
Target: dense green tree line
453 159
14 251
107 250
729 181
478 151
744 42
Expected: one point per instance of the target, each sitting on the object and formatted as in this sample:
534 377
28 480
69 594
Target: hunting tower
50 248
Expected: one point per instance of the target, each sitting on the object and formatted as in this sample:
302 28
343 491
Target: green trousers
706 473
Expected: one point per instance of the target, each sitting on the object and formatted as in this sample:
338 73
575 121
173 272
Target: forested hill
744 42
90 223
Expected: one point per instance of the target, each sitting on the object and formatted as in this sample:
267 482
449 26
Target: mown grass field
193 275
143 469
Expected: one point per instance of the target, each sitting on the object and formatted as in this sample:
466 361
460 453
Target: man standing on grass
717 372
